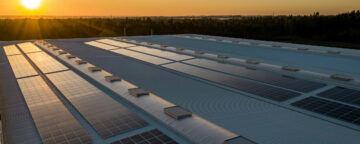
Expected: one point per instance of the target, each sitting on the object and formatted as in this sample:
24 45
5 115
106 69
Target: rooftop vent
164 46
138 41
80 62
235 42
112 78
49 45
288 68
341 77
239 140
180 49
177 112
199 52
70 56
62 52
303 49
252 62
255 44
276 46
333 52
55 48
137 92
223 57
94 69
150 43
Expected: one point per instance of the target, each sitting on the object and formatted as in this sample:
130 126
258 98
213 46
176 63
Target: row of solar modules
53 121
245 83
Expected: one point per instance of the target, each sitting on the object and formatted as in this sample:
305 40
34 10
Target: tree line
341 30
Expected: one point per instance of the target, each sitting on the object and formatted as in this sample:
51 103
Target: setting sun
31 4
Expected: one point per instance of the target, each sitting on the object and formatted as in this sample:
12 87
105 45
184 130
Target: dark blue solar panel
342 94
150 137
258 75
248 86
332 109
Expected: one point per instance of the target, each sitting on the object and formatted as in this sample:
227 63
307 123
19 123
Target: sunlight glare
31 4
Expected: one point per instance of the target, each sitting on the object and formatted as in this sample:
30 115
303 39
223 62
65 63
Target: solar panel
54 122
101 45
106 115
149 137
262 90
161 53
332 109
21 67
115 43
46 63
342 94
142 57
258 75
29 47
11 50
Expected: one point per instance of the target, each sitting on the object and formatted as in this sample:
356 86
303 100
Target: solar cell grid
11 50
258 75
142 57
115 43
262 90
342 94
332 109
21 67
54 122
101 45
106 115
29 47
160 53
149 137
46 63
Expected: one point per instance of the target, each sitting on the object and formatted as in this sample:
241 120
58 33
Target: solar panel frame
142 57
107 116
46 63
53 121
161 53
295 84
21 67
266 91
342 94
329 108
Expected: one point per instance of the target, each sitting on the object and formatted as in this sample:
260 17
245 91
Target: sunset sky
178 7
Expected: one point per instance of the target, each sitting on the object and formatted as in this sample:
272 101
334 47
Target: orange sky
178 7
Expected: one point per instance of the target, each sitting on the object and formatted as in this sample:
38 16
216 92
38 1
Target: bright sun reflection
31 4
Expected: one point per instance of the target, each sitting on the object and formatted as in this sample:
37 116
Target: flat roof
247 113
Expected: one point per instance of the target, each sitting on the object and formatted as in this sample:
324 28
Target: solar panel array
332 109
101 45
262 90
21 67
116 43
46 63
29 47
262 76
142 57
342 94
11 50
106 115
150 137
161 53
54 122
